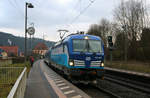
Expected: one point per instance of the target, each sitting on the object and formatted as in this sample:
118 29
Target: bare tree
102 29
131 15
94 30
105 29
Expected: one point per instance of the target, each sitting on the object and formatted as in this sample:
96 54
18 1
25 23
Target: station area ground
37 85
43 82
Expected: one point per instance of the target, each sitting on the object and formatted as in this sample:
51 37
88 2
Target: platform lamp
27 5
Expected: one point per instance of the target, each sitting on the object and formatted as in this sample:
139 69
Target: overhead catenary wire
81 12
76 5
37 3
74 8
15 6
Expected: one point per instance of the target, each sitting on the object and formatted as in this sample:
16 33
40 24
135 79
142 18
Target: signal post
110 44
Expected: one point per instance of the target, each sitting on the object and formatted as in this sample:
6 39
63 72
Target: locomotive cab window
95 46
80 45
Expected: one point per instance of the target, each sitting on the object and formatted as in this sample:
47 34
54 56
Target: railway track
133 81
138 86
96 92
117 86
93 90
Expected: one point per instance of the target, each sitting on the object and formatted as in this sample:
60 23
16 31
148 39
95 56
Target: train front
86 57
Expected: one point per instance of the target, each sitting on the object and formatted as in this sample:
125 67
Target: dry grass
8 77
130 65
5 89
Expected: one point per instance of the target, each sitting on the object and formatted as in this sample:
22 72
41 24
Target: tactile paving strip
63 89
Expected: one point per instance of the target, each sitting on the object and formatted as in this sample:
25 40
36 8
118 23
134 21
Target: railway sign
31 30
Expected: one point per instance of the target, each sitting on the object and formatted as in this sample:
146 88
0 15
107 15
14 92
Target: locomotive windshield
87 45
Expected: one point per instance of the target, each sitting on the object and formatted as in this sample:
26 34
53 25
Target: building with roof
10 50
40 48
1 51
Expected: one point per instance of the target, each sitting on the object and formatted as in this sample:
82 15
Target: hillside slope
6 38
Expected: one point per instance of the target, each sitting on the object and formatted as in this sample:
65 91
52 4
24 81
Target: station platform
128 72
43 82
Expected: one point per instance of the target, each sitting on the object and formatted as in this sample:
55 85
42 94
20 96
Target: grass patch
9 75
130 65
5 89
27 64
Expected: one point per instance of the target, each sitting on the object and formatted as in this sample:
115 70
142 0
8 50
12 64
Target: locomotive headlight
86 37
102 64
71 63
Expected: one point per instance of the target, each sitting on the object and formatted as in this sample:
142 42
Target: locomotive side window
58 50
63 48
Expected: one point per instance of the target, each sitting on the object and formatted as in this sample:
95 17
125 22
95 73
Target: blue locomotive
79 57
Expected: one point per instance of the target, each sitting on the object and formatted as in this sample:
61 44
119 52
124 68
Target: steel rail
108 92
128 83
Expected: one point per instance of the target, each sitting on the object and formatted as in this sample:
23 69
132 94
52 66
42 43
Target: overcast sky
51 15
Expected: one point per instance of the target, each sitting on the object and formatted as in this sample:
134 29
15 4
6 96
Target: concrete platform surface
43 82
37 84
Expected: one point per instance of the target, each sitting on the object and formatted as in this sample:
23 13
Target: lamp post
27 5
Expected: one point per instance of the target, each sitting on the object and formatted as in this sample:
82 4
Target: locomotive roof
81 36
77 36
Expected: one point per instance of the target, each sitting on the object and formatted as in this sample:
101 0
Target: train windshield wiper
90 48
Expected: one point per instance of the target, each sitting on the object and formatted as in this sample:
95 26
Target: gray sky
51 15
